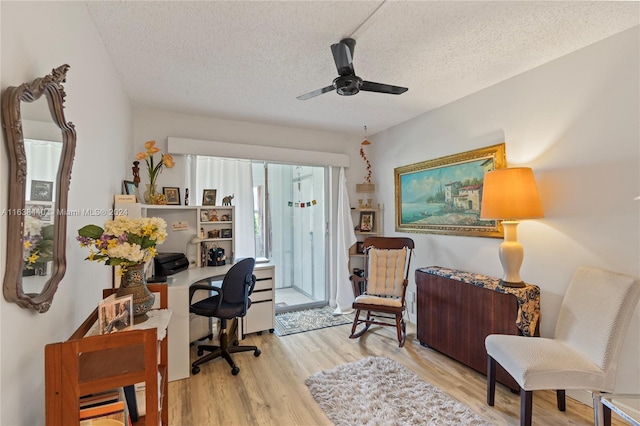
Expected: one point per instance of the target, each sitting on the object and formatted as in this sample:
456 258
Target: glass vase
150 194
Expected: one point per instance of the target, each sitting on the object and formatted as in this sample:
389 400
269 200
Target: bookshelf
356 256
84 365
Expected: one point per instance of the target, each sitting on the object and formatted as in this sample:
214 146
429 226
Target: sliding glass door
291 225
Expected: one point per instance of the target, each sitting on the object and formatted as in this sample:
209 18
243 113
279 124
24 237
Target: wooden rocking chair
381 292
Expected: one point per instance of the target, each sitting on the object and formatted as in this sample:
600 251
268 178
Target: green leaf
47 232
91 231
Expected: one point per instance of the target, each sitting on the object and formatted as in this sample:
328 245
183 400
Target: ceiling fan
348 83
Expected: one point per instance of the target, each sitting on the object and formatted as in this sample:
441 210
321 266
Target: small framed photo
213 215
172 194
209 197
204 215
131 188
360 247
366 221
41 190
115 314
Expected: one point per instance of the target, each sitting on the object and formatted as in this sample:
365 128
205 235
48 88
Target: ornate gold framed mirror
41 146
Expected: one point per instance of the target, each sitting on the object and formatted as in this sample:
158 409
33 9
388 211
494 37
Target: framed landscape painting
444 195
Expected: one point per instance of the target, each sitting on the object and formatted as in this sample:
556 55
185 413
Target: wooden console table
457 310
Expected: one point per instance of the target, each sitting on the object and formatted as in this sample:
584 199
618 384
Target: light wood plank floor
270 389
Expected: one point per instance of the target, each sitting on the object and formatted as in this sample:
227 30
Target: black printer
169 263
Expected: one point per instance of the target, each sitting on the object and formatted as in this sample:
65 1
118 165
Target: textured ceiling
249 60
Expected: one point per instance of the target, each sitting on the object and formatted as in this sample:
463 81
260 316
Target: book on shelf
112 411
101 398
107 408
115 314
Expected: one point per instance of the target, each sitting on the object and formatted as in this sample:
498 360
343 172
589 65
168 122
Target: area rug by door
308 319
380 391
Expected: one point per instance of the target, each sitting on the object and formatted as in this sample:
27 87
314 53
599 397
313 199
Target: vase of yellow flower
151 195
134 282
128 243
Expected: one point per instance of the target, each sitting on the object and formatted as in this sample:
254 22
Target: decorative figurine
136 172
186 196
226 201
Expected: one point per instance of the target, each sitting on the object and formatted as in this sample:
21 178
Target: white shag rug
380 391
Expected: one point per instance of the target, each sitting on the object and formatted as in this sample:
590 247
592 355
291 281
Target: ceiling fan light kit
348 83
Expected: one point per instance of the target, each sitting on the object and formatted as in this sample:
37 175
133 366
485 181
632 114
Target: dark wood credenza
457 310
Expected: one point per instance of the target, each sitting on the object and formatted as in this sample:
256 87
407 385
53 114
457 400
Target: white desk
178 294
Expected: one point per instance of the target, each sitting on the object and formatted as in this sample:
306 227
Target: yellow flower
154 169
147 229
34 256
27 245
167 160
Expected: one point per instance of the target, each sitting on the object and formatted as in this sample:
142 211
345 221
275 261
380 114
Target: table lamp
510 195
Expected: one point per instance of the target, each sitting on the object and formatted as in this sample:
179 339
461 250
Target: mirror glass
41 146
43 161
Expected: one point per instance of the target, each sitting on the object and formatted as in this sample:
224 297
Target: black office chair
231 300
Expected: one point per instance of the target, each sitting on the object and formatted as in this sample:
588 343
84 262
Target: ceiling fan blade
370 86
316 93
343 56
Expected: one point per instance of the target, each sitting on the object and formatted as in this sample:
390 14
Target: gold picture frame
443 195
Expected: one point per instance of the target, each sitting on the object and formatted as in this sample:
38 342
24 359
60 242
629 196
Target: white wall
159 125
36 37
575 121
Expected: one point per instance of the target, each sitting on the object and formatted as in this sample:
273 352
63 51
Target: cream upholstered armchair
592 323
381 292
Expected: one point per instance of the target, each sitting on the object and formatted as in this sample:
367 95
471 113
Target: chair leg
224 351
526 406
491 380
355 335
400 326
562 400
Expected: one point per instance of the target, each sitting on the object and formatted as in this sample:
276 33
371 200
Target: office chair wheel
257 352
195 370
235 371
271 330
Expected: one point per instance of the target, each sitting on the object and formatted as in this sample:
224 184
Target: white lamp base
511 255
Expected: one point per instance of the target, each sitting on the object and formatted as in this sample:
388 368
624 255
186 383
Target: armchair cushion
380 301
386 272
541 363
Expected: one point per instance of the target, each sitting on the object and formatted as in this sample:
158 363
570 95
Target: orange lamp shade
510 194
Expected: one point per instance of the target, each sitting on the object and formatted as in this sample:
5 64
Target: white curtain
346 237
228 177
43 160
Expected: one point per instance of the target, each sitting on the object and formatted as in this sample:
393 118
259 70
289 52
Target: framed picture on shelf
204 215
41 190
115 314
366 221
172 194
209 197
359 248
131 188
